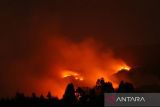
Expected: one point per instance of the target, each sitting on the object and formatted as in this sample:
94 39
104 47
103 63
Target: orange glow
124 67
81 78
68 73
81 63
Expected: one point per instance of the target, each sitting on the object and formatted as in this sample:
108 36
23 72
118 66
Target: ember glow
67 74
124 67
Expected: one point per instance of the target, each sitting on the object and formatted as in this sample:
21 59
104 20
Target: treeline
82 96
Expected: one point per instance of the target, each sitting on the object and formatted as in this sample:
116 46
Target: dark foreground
80 97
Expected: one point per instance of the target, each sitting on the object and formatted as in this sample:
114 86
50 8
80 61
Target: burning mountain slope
83 63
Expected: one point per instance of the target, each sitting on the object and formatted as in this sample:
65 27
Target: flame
123 67
69 73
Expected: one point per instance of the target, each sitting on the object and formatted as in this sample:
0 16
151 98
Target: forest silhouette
82 96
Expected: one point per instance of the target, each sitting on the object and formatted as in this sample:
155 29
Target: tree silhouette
125 87
103 87
34 96
108 88
49 96
69 95
82 96
100 82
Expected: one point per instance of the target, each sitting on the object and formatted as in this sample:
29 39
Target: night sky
130 28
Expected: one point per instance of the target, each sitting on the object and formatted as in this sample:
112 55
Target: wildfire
75 75
125 67
81 63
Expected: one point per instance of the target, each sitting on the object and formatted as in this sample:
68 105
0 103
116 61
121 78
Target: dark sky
117 23
131 28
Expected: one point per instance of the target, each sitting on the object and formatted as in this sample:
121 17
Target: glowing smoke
81 63
60 61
